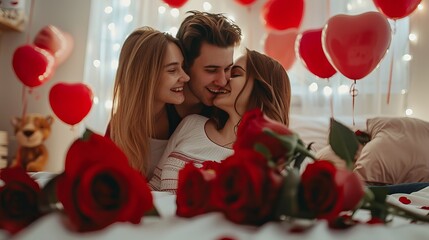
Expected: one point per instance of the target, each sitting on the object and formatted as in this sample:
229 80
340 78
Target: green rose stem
48 200
288 206
292 144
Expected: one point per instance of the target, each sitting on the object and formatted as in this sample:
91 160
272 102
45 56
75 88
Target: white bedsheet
214 226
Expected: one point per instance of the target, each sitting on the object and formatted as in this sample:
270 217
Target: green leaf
288 199
343 142
380 193
261 148
86 135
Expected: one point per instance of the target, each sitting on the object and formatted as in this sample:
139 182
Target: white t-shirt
189 143
157 148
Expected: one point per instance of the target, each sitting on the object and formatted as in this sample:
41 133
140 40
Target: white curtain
112 20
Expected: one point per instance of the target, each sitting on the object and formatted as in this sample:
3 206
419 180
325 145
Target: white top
157 148
189 143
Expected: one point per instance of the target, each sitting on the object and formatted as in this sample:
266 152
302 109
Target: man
208 42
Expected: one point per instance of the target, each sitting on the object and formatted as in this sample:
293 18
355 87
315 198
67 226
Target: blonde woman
149 80
257 81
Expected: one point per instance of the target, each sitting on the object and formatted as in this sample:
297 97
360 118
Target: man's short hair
215 29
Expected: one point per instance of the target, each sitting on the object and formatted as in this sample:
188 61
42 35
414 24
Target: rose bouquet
19 195
261 182
97 188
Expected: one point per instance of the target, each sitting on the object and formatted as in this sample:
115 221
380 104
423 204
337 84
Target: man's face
209 73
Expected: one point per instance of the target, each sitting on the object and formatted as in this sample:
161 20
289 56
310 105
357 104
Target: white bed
214 226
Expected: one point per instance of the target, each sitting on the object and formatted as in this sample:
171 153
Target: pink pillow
397 153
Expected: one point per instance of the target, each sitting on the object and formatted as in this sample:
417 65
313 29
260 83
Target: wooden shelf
12 20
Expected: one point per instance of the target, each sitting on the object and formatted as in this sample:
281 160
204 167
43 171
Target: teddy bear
31 131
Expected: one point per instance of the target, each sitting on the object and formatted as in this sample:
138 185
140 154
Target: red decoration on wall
33 65
175 3
283 14
70 102
245 2
281 46
310 51
396 9
355 44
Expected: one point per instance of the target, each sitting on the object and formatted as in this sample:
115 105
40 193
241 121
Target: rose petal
404 200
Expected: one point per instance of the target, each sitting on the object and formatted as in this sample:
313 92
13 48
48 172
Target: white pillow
397 153
313 129
328 154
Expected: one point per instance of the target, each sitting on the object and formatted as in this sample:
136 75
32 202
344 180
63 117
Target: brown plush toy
31 132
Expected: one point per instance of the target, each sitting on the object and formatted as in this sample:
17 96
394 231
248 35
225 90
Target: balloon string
390 76
249 19
24 101
30 21
73 130
328 7
331 102
354 93
394 27
392 47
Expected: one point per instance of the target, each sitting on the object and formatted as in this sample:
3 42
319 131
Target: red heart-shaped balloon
245 2
396 9
175 3
282 14
58 43
355 44
71 102
33 65
281 46
310 51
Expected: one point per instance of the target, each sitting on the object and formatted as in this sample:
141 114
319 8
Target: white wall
72 17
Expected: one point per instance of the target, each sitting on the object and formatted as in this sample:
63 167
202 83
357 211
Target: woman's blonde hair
132 117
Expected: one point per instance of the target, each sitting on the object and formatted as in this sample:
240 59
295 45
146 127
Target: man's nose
222 79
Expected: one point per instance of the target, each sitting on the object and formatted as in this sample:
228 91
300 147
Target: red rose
210 165
329 191
18 199
245 188
193 191
251 131
98 186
